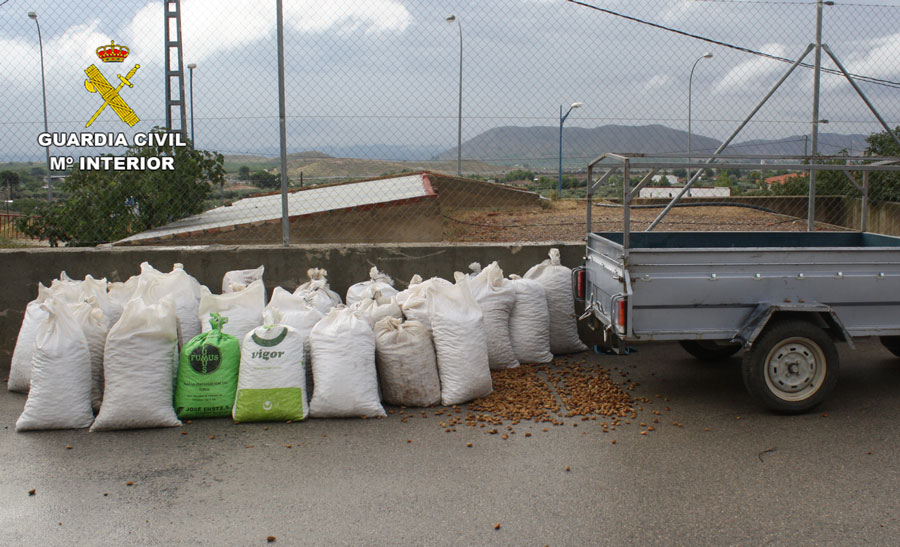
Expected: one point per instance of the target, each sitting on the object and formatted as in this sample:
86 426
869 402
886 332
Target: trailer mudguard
759 318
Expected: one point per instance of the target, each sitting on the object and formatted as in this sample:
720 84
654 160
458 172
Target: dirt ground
565 220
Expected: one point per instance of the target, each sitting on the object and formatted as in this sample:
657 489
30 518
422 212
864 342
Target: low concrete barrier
22 269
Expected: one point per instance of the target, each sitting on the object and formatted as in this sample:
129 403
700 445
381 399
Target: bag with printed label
272 379
208 373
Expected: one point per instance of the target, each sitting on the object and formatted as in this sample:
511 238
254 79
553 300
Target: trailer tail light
620 316
578 283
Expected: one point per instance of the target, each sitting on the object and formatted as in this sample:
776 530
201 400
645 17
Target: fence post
285 221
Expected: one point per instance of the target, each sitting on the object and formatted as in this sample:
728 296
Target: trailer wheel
892 344
791 367
709 351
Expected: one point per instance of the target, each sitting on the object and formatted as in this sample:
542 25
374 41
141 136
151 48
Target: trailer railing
855 169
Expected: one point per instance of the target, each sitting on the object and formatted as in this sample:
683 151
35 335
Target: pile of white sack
105 355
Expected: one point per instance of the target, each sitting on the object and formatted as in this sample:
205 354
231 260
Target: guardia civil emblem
97 83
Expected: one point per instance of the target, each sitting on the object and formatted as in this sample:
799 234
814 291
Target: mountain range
531 145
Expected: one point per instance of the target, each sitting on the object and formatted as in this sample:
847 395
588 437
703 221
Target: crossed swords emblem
97 83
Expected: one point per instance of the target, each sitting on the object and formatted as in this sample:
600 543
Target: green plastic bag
208 373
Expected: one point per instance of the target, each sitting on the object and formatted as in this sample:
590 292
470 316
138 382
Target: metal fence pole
285 221
811 211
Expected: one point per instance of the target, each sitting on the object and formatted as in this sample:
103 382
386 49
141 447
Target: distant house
671 180
782 179
668 192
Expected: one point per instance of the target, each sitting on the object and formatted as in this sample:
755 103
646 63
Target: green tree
519 174
793 186
883 186
244 173
264 179
103 206
9 178
8 182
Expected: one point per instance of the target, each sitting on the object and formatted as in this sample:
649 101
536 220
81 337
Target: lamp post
450 19
33 15
706 55
562 120
191 68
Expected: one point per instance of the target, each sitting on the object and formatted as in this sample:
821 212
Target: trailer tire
892 344
709 351
791 367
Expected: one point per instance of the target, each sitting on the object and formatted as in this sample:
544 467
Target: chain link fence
379 93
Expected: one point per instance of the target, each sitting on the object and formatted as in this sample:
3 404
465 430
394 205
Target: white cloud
879 59
754 73
212 26
345 16
65 56
657 81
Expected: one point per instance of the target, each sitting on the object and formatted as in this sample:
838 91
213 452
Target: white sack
373 307
529 322
379 280
298 313
316 291
95 327
238 280
401 296
65 289
181 288
20 366
496 297
99 290
557 282
139 367
414 304
121 292
343 364
407 366
459 342
243 309
60 396
271 365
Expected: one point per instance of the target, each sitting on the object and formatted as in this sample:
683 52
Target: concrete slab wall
22 269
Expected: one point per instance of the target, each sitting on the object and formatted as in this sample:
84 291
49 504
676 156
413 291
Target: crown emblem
112 52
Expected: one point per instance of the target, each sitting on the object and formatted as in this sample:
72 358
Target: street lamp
33 15
706 55
191 68
450 19
562 120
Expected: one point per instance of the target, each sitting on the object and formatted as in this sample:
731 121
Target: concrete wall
456 192
22 269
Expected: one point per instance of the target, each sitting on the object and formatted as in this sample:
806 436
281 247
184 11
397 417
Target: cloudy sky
384 73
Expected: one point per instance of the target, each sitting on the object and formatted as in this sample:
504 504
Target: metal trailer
786 298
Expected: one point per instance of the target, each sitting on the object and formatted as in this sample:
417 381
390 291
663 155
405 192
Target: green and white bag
272 382
208 373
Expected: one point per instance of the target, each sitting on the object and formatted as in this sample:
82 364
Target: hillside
518 145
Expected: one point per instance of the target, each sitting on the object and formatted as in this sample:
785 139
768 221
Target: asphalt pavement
733 473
